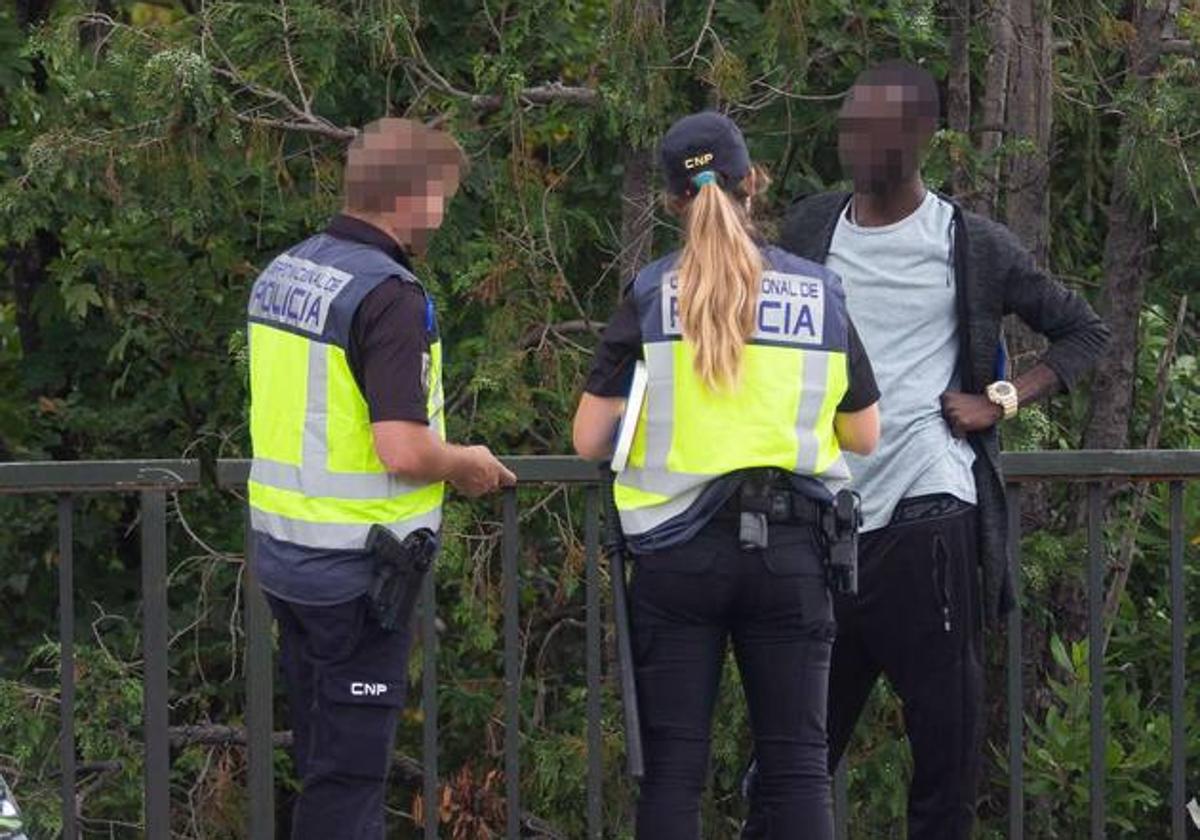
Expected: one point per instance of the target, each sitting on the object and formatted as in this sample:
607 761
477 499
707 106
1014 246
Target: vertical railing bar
154 652
512 674
260 723
66 641
1178 649
1095 587
595 769
841 801
1016 711
429 706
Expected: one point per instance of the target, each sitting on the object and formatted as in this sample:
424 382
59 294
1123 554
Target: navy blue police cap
703 142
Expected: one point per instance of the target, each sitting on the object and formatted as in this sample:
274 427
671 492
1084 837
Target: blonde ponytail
720 274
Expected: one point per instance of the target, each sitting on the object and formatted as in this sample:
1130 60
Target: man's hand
966 413
478 472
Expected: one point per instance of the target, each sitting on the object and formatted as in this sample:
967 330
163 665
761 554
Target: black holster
400 567
840 523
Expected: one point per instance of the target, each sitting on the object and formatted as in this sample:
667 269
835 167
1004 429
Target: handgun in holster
400 567
840 523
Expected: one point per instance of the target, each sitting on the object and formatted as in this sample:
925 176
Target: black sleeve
619 348
389 351
1078 336
863 391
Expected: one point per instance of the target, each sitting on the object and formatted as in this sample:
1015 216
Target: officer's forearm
413 452
858 431
595 423
436 462
444 462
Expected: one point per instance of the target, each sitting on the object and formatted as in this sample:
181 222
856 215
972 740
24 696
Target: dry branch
406 770
1124 563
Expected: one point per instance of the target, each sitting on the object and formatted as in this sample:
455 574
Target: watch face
1003 390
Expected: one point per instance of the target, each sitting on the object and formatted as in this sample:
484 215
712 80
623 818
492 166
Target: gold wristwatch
1003 394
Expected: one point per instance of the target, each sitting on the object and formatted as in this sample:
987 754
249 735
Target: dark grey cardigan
994 275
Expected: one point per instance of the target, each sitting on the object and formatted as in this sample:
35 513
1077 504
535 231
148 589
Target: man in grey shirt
899 284
927 285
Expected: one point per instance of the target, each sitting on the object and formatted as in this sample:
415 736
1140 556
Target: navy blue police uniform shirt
388 340
621 346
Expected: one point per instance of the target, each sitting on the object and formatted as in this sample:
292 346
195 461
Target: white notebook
629 420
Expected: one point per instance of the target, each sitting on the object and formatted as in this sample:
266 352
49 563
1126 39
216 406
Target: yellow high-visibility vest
794 373
316 480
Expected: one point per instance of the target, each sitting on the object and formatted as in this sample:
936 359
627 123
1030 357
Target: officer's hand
968 413
480 472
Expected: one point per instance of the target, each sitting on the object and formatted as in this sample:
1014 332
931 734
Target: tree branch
546 94
291 60
320 128
1180 46
405 769
536 335
1124 563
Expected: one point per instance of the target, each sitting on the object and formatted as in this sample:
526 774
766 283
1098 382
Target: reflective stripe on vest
779 415
316 480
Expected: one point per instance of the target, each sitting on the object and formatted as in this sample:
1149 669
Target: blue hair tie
705 177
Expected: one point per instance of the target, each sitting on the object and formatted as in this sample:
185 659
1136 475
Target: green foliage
109 690
152 164
1058 758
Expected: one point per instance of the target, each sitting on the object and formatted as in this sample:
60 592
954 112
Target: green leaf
78 298
1059 651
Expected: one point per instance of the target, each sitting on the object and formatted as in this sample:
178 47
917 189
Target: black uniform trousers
346 679
917 621
685 604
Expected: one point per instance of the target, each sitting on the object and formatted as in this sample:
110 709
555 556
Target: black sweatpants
685 604
346 679
917 621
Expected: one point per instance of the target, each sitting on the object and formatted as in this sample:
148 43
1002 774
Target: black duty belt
781 505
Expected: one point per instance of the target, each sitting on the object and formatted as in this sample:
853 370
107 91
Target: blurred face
882 135
402 174
416 217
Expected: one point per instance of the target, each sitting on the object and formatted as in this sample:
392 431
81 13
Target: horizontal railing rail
153 480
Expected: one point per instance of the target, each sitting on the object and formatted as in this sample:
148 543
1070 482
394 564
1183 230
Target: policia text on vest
793 376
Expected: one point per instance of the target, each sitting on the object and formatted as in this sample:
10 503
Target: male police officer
347 429
927 285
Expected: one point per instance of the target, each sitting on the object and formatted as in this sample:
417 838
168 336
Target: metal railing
153 480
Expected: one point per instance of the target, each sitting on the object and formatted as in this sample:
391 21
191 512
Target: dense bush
156 154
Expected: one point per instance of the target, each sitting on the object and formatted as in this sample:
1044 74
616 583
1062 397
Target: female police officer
756 383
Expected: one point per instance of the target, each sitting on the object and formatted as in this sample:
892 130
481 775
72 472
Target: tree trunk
1017 106
1027 194
993 106
1126 249
1027 206
644 23
30 13
637 212
27 264
93 34
958 99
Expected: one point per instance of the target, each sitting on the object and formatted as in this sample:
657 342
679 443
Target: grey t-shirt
900 293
